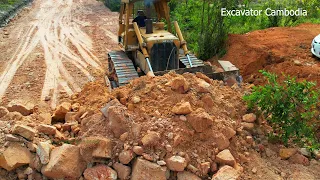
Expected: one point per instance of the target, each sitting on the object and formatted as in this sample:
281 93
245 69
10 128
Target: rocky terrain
182 127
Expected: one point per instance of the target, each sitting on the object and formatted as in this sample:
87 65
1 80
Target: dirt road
51 49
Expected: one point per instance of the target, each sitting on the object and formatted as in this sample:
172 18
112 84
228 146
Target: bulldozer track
194 60
121 69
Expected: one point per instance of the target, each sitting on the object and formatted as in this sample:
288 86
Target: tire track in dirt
58 31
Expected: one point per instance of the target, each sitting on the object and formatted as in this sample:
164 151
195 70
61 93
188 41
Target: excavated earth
279 50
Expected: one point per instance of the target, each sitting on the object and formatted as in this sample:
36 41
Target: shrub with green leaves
290 107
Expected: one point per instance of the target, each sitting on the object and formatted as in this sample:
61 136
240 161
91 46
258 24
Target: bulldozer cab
156 13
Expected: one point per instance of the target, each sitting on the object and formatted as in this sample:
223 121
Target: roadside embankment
9 9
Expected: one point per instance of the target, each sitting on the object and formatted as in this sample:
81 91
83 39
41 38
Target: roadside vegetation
7 4
290 107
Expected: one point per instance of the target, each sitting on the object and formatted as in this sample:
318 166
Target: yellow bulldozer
150 48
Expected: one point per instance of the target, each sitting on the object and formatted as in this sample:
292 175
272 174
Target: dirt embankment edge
6 15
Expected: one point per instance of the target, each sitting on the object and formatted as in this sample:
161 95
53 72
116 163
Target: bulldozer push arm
143 48
183 42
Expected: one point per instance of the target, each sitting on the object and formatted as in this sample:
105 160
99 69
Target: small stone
254 170
136 99
249 118
214 167
182 108
226 173
138 150
66 127
43 151
32 147
247 126
193 169
177 140
151 139
170 135
185 175
316 154
24 131
46 129
200 120
3 111
249 140
204 168
228 132
70 117
28 171
143 169
176 163
183 118
179 84
47 98
75 107
225 158
126 156
122 171
45 118
161 163
36 163
169 148
305 152
124 136
299 159
100 172
286 153
148 157
12 138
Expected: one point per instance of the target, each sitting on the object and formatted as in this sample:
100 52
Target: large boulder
25 108
122 171
118 121
46 129
200 120
143 169
95 147
24 131
61 111
225 158
65 162
15 156
100 172
226 173
43 151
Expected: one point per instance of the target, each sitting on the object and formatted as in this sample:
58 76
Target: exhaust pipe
148 21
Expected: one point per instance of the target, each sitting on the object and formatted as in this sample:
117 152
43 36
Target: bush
290 107
113 5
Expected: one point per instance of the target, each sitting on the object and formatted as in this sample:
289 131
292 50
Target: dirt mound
279 50
191 116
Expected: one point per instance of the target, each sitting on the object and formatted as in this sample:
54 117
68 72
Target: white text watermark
267 12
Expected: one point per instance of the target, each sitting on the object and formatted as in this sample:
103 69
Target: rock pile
185 127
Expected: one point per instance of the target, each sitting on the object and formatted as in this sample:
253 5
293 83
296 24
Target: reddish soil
278 50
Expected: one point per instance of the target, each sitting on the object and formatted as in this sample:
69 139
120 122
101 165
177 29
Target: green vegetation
290 107
7 4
